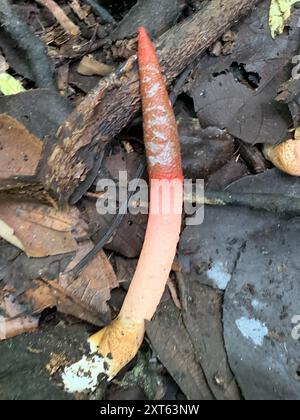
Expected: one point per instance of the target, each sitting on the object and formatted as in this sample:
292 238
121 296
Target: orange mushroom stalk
115 346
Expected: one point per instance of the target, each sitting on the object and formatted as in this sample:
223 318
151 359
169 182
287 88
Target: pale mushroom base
111 349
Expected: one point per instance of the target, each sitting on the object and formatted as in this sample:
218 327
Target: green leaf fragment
9 85
280 12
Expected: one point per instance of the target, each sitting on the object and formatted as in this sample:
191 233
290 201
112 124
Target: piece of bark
60 16
20 140
175 350
253 156
72 165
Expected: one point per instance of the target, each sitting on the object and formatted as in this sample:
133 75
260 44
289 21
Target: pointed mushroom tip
146 50
142 33
144 40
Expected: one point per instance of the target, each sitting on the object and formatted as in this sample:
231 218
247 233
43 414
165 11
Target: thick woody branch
60 16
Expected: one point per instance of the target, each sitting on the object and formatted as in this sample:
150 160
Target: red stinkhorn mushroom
116 345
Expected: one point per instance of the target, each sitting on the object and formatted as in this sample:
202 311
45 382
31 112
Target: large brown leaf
20 151
37 229
13 317
84 297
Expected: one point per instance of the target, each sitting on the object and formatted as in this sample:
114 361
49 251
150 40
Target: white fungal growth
159 135
83 376
146 79
153 147
151 68
160 154
157 108
157 121
153 90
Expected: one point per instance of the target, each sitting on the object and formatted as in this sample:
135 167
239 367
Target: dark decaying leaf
175 350
240 250
41 111
253 156
125 269
23 370
18 270
234 170
203 150
208 252
289 93
202 315
261 304
238 91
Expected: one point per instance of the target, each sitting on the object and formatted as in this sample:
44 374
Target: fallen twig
61 17
100 11
11 327
15 321
88 66
113 227
273 203
34 49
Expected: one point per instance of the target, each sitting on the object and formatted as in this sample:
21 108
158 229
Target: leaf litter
221 315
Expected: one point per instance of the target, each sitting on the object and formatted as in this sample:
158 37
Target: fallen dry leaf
11 327
14 320
20 151
37 229
84 297
88 66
